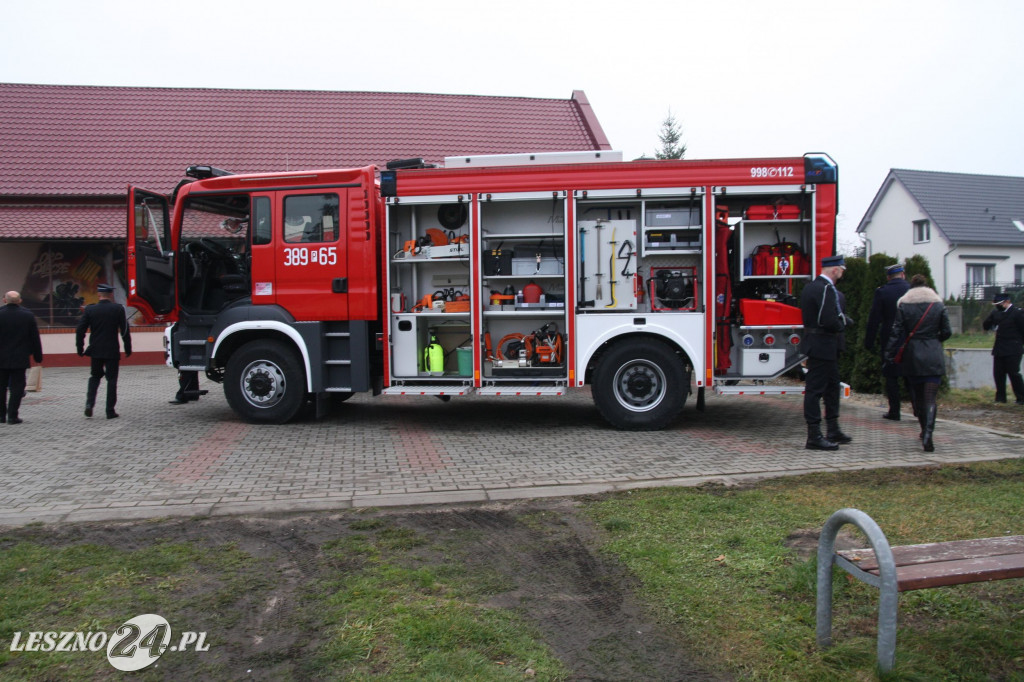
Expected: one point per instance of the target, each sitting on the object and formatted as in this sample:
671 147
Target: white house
969 227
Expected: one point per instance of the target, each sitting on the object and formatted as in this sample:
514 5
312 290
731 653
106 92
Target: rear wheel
640 386
264 382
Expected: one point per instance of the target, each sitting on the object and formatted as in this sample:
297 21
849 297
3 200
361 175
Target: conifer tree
670 137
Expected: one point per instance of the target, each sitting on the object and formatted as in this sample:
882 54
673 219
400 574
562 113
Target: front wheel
640 386
264 382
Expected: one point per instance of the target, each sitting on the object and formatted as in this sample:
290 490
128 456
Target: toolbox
446 251
772 212
672 239
787 212
762 362
758 313
760 212
497 262
672 216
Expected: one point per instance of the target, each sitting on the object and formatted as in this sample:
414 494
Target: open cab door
150 257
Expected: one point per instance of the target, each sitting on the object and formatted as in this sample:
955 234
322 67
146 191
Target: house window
980 273
979 277
1018 274
922 231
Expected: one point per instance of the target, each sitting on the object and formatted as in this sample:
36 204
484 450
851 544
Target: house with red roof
68 153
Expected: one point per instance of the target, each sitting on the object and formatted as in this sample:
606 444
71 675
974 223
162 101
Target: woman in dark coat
920 312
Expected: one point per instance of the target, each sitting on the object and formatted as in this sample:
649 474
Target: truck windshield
214 247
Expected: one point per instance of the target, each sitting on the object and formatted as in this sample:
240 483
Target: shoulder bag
898 358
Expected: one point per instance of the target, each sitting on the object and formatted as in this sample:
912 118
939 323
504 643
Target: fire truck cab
510 275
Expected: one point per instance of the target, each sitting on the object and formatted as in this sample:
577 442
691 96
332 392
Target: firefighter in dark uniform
105 321
188 387
19 341
1008 349
824 325
880 319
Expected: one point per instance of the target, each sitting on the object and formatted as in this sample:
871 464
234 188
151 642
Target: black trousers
103 367
1004 366
188 386
15 380
821 385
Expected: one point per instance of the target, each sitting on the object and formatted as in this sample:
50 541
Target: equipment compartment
762 362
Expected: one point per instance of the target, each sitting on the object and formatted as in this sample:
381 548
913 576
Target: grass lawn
727 574
716 561
970 340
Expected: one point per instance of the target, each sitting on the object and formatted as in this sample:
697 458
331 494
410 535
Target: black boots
815 441
834 434
928 428
892 392
831 441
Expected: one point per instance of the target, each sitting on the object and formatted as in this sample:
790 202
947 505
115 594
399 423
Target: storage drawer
762 362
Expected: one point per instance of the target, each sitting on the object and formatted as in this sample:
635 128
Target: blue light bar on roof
820 169
388 183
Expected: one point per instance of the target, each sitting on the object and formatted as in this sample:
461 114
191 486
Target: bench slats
938 564
940 551
919 576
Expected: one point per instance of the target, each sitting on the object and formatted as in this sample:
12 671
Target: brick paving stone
200 459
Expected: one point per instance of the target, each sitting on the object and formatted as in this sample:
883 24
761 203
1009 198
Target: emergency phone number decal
301 255
772 172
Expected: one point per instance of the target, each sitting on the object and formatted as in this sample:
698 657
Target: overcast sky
927 85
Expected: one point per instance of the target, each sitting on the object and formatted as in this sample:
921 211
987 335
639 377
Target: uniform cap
894 269
833 261
999 298
104 289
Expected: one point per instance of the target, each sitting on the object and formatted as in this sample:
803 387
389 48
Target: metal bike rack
885 581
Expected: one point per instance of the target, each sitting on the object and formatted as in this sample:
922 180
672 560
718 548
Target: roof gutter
945 270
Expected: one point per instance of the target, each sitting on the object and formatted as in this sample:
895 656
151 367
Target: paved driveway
200 459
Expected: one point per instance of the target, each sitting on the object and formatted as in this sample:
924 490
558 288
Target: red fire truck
506 275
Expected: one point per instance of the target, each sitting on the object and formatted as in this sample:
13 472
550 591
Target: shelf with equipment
673 225
431 346
775 236
625 236
523 288
774 249
429 291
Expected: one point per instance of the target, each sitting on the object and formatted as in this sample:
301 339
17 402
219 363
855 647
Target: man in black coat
880 319
824 324
1008 349
105 321
19 340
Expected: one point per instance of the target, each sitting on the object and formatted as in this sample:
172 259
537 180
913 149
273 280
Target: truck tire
265 382
640 386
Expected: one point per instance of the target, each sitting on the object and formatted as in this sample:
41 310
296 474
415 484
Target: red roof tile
62 221
94 141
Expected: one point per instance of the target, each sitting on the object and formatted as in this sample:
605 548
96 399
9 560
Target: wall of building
891 231
15 258
1003 258
57 279
59 348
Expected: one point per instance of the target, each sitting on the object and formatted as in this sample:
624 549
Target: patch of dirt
543 556
805 541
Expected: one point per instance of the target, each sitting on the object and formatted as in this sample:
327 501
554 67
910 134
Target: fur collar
920 295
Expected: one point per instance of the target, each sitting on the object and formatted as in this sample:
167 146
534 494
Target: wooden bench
910 567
